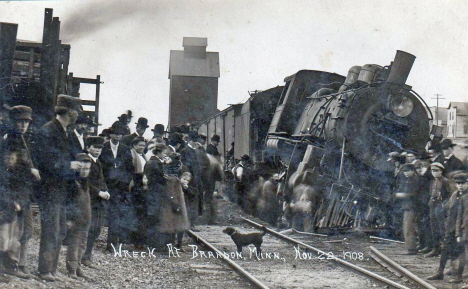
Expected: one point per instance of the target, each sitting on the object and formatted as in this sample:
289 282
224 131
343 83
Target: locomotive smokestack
401 67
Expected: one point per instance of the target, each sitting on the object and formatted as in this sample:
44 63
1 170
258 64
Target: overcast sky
260 43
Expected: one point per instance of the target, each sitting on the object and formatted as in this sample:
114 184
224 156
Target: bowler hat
82 157
216 138
118 128
193 135
159 129
446 143
96 141
123 117
460 178
68 102
438 165
142 122
21 112
105 132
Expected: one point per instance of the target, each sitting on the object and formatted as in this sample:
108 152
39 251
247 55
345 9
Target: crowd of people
151 191
430 206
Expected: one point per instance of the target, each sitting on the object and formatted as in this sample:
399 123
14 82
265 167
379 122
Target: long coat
54 156
173 215
462 218
75 144
409 187
154 172
117 171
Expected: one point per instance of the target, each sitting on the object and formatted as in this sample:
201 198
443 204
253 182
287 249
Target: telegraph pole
438 96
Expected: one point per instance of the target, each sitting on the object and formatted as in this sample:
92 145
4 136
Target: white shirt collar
191 146
93 158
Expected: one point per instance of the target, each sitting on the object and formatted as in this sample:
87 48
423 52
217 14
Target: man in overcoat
451 162
462 216
117 167
57 166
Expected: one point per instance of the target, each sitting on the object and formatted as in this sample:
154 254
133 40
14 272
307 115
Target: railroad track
286 270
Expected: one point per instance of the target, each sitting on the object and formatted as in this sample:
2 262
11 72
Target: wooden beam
88 102
8 33
47 65
85 80
56 55
96 109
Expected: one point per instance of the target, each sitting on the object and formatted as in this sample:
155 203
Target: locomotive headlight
401 105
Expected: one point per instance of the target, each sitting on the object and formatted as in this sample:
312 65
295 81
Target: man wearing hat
124 121
56 163
99 196
212 148
117 167
204 164
461 232
241 173
451 162
141 127
175 142
188 156
158 132
439 194
406 192
451 249
77 135
16 174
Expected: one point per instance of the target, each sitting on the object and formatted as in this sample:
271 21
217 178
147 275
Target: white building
457 120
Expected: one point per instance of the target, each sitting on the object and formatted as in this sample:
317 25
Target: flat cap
438 165
82 157
460 178
21 112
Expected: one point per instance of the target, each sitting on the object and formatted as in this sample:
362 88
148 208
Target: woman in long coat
173 215
156 184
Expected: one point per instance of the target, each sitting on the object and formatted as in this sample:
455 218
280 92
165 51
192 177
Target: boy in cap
407 192
451 249
57 166
80 219
99 196
461 181
17 172
440 192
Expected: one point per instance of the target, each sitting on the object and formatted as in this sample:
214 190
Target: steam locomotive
329 137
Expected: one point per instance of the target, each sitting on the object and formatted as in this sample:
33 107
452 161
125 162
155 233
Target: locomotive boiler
336 140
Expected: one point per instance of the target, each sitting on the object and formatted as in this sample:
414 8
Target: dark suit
75 144
54 158
212 150
154 171
97 184
118 175
440 193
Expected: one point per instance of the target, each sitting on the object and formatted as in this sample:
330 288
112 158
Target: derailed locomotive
330 137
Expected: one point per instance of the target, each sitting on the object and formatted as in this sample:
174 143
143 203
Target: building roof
462 107
180 64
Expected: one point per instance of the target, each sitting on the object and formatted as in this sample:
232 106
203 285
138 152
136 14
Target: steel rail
361 271
403 271
231 263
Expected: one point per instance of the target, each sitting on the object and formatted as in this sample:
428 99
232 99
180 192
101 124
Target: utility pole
438 96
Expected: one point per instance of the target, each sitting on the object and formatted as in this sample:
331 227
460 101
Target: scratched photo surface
233 144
